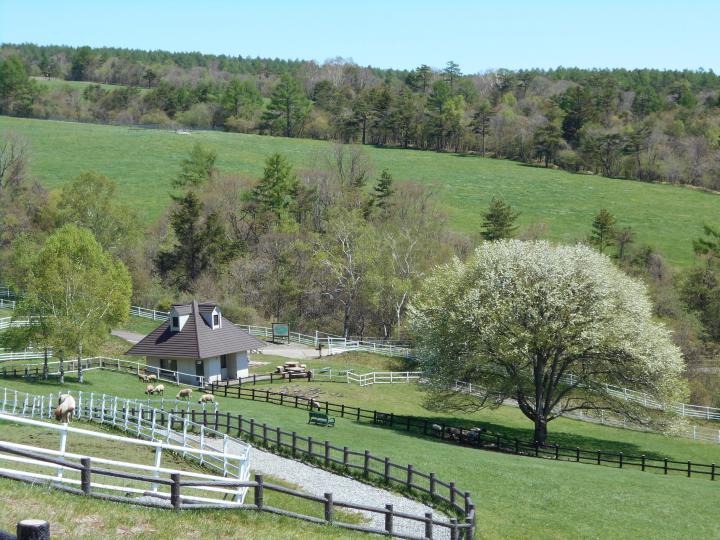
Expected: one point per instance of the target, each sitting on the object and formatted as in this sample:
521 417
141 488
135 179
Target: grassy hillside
517 497
143 162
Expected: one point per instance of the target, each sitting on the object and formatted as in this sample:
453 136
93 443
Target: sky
479 35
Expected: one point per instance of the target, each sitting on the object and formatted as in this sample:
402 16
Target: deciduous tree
547 326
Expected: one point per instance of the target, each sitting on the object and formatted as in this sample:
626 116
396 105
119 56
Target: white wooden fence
698 433
153 427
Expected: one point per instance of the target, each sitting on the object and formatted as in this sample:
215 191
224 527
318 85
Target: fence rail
477 437
206 423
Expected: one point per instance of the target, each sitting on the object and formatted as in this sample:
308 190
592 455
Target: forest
644 124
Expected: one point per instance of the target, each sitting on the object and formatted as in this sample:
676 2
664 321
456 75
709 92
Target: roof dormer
179 315
211 315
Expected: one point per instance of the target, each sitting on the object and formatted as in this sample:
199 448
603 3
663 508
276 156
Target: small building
197 341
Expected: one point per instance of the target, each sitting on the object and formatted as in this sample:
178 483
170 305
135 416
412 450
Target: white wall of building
237 366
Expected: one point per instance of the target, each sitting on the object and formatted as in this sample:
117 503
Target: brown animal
149 389
65 409
159 389
206 398
185 393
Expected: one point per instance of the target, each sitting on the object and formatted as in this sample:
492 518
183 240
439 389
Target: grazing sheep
159 389
149 389
65 408
313 404
185 393
206 398
152 377
143 377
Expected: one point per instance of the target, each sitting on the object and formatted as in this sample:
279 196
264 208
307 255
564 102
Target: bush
569 160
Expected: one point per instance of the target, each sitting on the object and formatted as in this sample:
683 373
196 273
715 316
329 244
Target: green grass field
517 497
72 516
143 162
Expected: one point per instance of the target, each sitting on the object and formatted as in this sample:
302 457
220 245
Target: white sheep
152 377
185 393
159 389
206 398
149 389
65 408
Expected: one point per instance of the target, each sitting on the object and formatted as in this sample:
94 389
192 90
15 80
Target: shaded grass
516 497
143 163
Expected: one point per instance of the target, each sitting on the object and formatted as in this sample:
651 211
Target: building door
223 367
199 368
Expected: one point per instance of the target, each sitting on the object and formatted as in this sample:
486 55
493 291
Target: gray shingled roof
196 340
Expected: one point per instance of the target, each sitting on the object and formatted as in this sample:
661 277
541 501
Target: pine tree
278 187
480 124
197 168
499 221
603 230
288 107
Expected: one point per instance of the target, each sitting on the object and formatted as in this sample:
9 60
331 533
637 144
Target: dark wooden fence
457 530
476 437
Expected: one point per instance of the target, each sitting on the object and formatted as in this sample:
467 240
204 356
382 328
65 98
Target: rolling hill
143 162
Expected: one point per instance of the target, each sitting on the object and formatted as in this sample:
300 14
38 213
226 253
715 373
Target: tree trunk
80 371
45 365
62 369
540 430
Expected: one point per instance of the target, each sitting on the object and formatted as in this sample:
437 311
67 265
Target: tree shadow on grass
568 441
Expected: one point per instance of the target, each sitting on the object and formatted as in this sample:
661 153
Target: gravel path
132 337
316 481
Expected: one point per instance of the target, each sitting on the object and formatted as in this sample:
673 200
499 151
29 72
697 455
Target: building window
223 361
216 320
176 323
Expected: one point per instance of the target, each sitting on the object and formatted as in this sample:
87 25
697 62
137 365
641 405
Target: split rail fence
473 437
209 425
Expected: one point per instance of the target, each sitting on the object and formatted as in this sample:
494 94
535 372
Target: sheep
159 389
152 377
206 398
143 377
185 393
149 389
65 408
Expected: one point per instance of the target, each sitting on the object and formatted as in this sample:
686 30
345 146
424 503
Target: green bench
321 419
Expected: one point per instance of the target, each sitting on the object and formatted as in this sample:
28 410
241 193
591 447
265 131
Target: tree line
644 124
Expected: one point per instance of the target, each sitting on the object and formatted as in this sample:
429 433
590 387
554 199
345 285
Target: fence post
387 469
329 507
642 463
409 475
665 466
621 459
259 497
366 463
345 455
712 472
689 469
175 490
33 529
85 475
327 453
389 519
428 525
432 483
294 444
453 529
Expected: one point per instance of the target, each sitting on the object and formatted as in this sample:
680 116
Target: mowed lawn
517 497
71 516
143 162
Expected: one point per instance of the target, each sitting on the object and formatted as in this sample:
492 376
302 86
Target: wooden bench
321 419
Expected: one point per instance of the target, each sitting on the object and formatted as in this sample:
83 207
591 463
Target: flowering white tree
548 326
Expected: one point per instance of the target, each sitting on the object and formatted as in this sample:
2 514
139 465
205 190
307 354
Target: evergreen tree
288 108
277 189
197 168
199 247
480 124
499 221
546 142
451 73
383 191
603 230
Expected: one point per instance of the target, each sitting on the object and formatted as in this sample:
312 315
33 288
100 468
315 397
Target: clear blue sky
478 35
